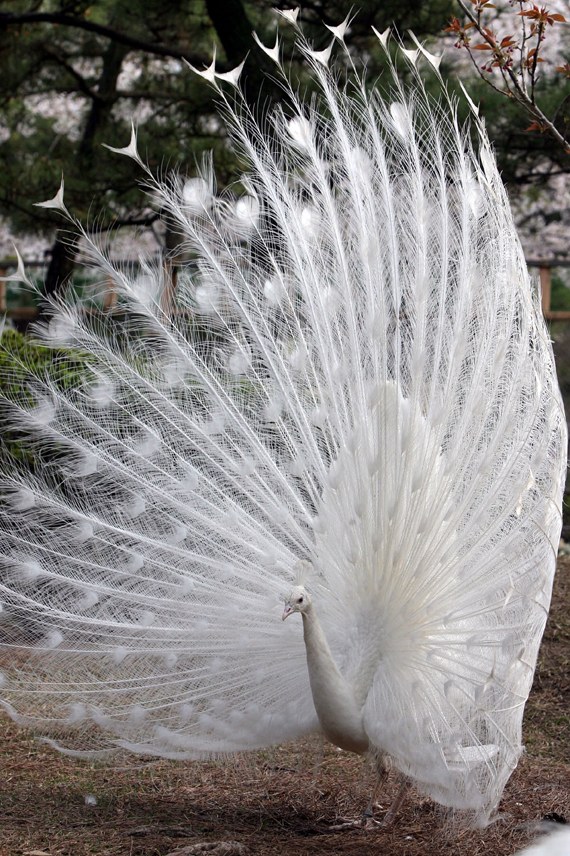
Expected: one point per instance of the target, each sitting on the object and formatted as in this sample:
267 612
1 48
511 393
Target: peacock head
297 601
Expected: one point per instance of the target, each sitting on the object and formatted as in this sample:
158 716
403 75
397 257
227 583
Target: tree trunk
64 251
103 102
234 29
59 272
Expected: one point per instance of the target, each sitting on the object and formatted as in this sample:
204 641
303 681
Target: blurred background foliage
74 74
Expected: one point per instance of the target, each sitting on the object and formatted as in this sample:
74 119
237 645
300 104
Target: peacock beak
287 611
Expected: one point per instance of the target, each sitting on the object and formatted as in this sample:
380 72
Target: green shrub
559 295
21 361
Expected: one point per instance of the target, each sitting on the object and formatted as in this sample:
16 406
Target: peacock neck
339 714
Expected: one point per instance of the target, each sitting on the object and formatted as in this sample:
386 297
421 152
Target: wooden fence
27 313
545 274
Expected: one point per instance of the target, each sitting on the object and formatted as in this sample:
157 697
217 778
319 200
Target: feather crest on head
304 570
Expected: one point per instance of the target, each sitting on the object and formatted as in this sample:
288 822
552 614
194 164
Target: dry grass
274 802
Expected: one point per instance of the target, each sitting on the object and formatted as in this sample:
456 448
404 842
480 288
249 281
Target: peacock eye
300 600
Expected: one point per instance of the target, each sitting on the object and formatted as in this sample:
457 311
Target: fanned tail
355 373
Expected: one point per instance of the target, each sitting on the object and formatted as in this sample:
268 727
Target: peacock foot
367 822
344 823
390 815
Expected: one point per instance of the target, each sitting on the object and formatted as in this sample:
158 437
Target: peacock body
356 395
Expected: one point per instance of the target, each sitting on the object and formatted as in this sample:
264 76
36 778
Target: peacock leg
397 804
367 820
368 815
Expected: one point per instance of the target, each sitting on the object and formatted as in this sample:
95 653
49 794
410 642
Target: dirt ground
281 801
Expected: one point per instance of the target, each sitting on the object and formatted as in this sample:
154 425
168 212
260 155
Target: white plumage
360 379
556 843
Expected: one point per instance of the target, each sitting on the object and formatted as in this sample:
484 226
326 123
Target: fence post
110 294
3 272
545 273
170 276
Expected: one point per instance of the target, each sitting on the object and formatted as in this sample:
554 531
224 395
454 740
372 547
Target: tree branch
511 79
79 79
8 19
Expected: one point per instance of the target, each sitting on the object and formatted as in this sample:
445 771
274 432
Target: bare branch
515 86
